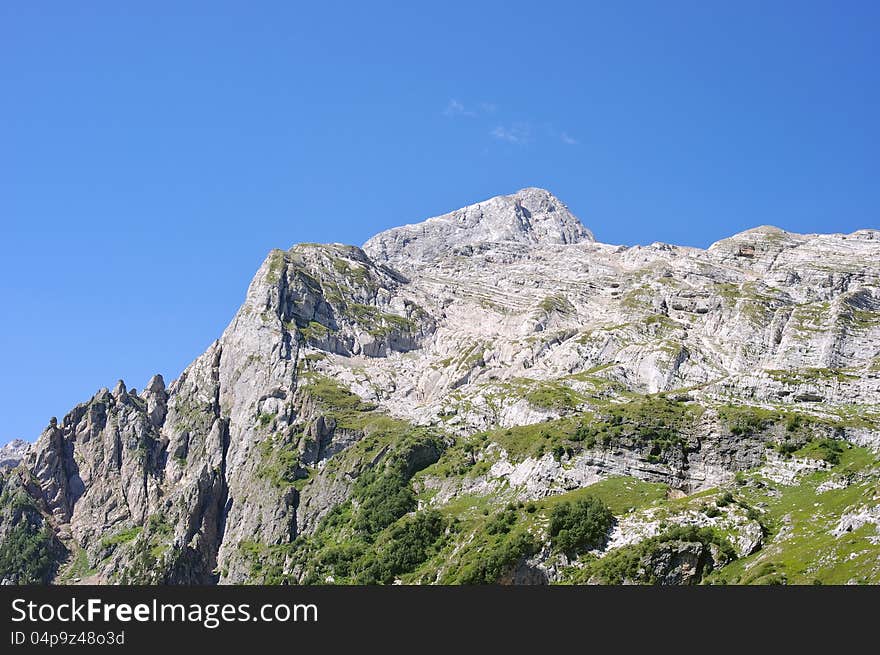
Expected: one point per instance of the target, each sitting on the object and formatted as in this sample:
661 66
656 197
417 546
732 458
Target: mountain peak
530 216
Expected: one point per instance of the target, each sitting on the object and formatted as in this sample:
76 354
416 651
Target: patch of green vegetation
754 301
534 440
828 450
801 545
264 420
369 538
382 497
356 274
621 494
746 420
314 332
472 358
459 458
122 537
594 370
636 300
77 566
727 290
26 553
377 323
280 461
556 303
580 525
277 261
860 319
488 565
267 563
725 499
555 396
768 573
336 401
401 549
661 321
655 422
158 525
799 376
810 317
158 535
856 416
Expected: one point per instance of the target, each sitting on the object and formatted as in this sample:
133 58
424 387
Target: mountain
13 452
490 396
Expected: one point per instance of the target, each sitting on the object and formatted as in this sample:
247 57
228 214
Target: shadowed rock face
504 313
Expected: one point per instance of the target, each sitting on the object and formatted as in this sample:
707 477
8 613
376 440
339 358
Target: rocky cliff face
495 356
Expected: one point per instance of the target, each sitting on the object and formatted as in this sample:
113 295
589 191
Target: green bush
579 526
786 448
725 499
341 558
503 521
408 544
830 450
383 498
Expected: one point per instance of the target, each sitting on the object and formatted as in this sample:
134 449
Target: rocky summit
489 396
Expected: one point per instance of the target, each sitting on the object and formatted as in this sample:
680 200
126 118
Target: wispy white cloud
455 108
518 133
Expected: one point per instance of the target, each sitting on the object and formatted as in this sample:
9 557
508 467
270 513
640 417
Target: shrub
384 498
579 526
725 499
786 448
830 450
503 521
409 544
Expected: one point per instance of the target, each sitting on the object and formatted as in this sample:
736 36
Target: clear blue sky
152 153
